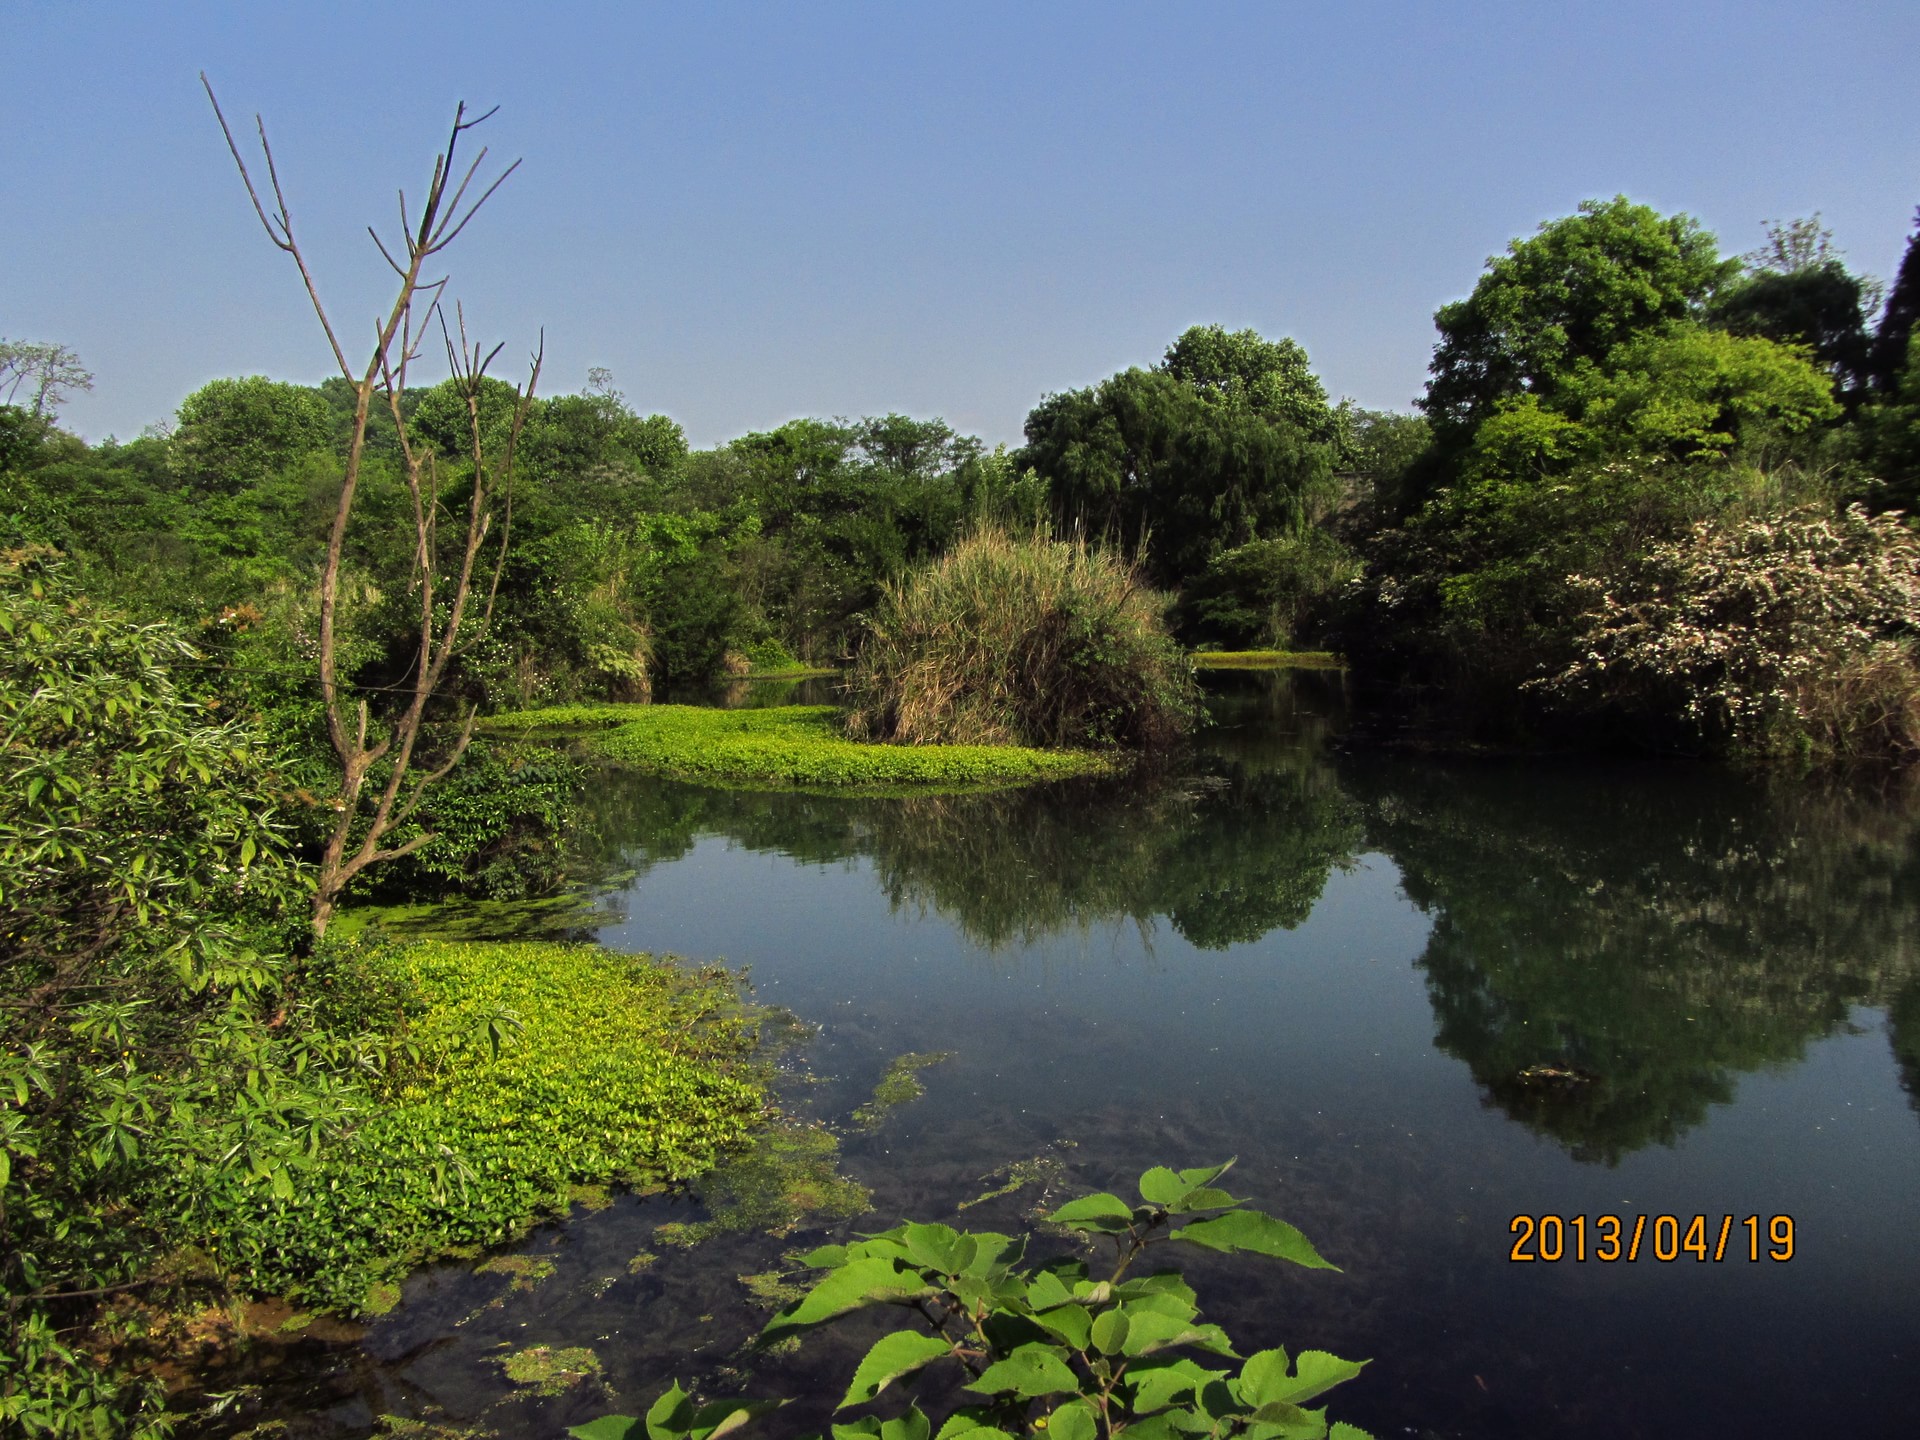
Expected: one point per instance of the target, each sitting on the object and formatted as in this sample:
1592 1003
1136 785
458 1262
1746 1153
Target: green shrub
1028 641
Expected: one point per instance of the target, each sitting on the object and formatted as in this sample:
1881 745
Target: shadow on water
1415 996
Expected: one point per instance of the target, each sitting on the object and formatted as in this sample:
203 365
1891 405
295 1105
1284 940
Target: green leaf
1265 1378
913 1425
825 1256
1070 1322
1110 1331
939 1247
1031 1370
1208 1175
1160 1383
891 1357
722 1417
1044 1290
1072 1421
1255 1231
970 1420
671 1416
1148 1331
1094 1212
1202 1197
1280 1421
1343 1431
1160 1186
852 1285
608 1427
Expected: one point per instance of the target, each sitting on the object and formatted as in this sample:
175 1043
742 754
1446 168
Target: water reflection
1608 953
1652 939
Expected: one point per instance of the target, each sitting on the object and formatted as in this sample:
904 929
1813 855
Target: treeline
1645 496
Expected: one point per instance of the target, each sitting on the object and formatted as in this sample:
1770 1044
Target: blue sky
752 212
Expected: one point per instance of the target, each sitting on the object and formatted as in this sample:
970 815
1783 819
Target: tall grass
1023 641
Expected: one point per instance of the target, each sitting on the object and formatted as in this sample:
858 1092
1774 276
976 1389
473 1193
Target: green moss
1267 660
527 1270
547 1371
775 1289
380 1299
898 1086
794 745
525 1071
642 1259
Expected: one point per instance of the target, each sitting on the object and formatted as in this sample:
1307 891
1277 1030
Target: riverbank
800 746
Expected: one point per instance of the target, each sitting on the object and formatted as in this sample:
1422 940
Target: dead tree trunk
380 785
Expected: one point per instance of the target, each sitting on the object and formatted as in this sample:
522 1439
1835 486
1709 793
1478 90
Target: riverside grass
525 1071
1022 640
799 746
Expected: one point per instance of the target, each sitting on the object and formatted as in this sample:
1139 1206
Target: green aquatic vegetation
772 1289
642 1259
526 1271
522 1071
1047 1347
547 1371
787 1177
900 1085
790 745
1045 1170
1267 660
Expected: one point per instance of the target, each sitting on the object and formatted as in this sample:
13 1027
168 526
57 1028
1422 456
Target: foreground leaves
1049 1346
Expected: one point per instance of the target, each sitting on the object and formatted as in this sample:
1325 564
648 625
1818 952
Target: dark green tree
1888 357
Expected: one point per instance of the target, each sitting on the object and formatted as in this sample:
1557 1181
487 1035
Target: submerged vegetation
1045 1347
796 745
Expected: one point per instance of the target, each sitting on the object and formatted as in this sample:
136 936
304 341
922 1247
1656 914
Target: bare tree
48 371
380 789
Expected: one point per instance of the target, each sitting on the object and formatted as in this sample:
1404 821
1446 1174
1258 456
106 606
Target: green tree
1798 290
1581 286
1227 441
231 435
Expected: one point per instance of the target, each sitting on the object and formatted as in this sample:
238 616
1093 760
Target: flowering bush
1790 632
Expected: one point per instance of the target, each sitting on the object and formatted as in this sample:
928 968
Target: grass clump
1022 641
521 1071
792 745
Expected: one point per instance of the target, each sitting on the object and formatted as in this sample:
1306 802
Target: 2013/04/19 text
1663 1237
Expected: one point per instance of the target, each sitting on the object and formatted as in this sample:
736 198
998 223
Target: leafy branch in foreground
1048 1346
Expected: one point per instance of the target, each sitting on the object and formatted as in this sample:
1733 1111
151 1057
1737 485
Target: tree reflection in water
1612 945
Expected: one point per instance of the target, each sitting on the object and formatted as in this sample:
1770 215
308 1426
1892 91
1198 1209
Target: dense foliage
1022 641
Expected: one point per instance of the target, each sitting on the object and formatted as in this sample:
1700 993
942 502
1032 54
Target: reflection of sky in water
1179 972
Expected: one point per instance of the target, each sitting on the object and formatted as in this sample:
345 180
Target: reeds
1009 640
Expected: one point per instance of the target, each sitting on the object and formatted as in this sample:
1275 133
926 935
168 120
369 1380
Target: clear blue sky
752 212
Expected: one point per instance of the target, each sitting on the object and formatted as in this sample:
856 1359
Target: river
1417 998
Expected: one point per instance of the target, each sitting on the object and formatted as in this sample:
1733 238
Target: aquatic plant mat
1267 660
527 1071
802 746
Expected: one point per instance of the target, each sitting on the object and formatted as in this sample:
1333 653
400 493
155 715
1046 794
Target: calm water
1337 967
